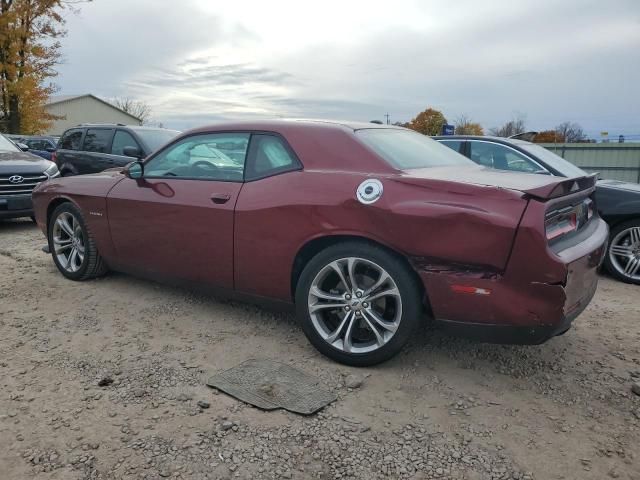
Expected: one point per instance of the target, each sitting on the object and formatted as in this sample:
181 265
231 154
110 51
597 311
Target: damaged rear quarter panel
452 223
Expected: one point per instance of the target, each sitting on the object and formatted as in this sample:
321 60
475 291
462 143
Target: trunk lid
542 187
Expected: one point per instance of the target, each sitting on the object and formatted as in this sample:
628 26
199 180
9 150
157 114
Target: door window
97 140
501 157
455 145
71 140
269 156
123 139
213 156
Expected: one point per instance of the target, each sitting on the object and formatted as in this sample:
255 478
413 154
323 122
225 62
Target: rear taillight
569 219
54 158
560 225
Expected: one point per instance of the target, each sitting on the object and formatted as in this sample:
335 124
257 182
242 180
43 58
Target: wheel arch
54 203
615 221
315 245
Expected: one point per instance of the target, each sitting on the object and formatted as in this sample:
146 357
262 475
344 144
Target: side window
269 155
501 157
97 140
213 156
71 139
123 139
455 145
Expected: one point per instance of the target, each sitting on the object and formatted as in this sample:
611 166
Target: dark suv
97 147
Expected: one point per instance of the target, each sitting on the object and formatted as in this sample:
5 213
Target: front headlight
52 171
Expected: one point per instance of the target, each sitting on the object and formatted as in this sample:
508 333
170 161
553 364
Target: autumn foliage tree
549 136
29 50
464 126
429 122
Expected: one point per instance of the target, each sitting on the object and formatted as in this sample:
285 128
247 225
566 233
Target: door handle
220 198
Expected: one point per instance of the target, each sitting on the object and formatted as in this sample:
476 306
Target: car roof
490 138
284 124
114 125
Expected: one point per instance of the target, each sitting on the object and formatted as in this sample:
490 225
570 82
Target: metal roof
55 99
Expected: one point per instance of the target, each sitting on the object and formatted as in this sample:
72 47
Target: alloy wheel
355 305
68 242
624 253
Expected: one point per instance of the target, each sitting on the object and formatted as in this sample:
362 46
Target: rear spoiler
526 136
565 187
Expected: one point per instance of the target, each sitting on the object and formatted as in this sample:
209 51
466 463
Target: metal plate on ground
268 385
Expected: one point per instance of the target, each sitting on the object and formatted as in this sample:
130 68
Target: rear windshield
7 145
554 161
156 138
405 149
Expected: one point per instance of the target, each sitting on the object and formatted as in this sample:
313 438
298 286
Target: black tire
608 261
401 274
92 265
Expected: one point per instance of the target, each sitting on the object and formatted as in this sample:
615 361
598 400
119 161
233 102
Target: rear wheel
358 303
71 245
623 255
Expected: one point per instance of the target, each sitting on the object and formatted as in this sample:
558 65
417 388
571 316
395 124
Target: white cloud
200 60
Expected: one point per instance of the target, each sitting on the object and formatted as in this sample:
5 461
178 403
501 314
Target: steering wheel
203 164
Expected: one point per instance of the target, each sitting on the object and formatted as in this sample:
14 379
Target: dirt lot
445 408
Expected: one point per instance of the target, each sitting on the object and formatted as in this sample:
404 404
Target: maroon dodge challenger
366 228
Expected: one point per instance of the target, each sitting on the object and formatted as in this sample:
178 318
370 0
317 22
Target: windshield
7 145
156 138
564 167
405 149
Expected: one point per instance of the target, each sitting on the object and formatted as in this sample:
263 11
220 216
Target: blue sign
448 129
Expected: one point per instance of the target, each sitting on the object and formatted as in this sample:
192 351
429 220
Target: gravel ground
106 380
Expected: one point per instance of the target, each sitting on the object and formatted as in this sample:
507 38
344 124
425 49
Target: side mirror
131 152
22 146
134 170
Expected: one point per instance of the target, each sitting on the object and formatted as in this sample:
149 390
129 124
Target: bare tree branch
138 109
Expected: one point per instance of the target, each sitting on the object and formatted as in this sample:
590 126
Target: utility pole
386 115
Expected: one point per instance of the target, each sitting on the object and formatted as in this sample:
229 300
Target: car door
263 217
68 153
122 139
177 221
96 147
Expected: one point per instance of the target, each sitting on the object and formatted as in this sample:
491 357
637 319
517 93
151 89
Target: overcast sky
196 61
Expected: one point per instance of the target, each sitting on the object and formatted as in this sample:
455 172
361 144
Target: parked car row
365 229
618 202
26 161
43 146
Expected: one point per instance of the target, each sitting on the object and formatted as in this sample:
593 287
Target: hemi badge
97 214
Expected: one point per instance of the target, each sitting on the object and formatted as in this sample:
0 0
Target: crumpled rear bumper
537 297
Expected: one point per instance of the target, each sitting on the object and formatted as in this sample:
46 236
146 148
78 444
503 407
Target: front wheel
72 246
623 255
358 304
